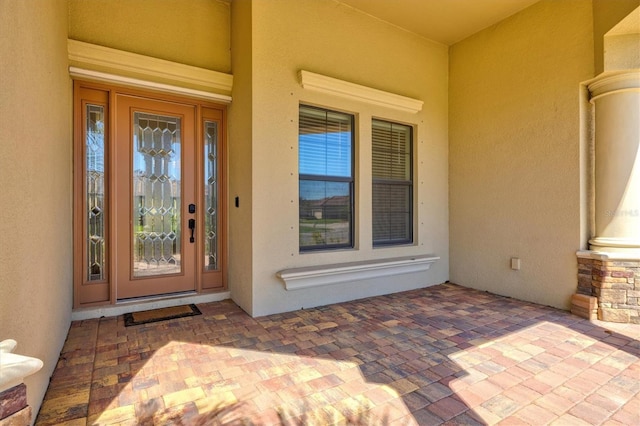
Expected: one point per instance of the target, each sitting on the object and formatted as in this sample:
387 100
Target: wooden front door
150 201
155 185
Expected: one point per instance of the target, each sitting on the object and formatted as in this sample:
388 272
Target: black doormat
161 314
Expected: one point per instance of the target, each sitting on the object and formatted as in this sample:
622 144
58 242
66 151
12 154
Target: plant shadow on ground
239 414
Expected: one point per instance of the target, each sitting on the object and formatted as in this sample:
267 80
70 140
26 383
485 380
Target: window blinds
392 183
324 142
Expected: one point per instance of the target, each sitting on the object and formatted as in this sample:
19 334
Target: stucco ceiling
444 21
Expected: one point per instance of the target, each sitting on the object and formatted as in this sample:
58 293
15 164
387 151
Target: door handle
192 226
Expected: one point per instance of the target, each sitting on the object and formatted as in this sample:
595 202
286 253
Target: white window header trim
345 89
105 64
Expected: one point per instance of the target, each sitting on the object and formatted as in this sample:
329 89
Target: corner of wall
606 14
240 278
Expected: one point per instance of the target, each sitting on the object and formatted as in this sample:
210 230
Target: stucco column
616 99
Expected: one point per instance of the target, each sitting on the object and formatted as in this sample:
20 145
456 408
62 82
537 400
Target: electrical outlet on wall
515 263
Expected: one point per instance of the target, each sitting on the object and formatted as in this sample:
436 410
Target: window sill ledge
320 275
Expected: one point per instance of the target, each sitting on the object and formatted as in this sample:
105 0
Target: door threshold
146 303
153 298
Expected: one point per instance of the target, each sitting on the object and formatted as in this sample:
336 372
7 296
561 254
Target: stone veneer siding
616 284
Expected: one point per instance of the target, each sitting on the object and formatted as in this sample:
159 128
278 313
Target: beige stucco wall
622 52
515 147
606 14
196 35
35 183
622 44
240 158
329 38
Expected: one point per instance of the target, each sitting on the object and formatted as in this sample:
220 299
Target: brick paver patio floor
440 355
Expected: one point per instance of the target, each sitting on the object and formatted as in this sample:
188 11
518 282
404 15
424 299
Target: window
392 183
325 143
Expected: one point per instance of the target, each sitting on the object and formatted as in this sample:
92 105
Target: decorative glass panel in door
212 236
156 195
94 193
211 195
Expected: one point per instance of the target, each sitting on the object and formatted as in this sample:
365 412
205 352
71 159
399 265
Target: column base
616 245
614 279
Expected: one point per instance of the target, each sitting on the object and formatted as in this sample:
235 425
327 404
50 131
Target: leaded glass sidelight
156 195
211 195
94 193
